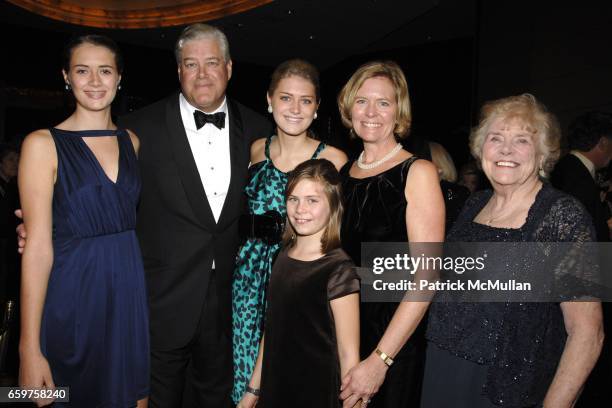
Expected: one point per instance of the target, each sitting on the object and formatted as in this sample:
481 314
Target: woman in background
454 194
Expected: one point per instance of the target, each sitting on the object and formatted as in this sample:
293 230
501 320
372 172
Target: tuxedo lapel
238 154
583 172
186 165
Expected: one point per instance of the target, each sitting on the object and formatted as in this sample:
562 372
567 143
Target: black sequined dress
501 354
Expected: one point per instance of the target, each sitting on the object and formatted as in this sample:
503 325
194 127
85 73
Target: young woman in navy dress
84 313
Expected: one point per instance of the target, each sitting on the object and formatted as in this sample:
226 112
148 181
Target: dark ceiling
324 32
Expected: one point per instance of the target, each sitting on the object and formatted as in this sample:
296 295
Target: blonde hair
374 69
532 115
443 161
321 171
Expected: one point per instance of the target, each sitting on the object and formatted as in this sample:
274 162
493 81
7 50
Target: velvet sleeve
342 281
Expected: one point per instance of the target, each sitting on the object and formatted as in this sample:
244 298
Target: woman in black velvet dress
516 354
389 196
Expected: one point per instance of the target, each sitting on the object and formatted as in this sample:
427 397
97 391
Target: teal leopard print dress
265 191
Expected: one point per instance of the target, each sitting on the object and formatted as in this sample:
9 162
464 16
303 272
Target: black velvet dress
375 211
504 354
300 362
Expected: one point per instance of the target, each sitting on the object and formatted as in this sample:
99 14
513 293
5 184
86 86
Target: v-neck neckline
100 133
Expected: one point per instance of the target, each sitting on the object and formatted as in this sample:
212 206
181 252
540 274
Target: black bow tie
217 119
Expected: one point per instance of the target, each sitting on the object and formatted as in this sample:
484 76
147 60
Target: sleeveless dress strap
408 163
123 137
318 151
267 147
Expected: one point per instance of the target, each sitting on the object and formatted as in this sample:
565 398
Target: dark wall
559 51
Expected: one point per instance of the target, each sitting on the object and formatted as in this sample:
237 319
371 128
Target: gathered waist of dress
268 227
59 236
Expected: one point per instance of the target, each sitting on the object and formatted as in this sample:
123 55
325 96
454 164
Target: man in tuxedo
193 158
590 141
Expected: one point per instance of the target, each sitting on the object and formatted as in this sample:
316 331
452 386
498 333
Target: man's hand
21 233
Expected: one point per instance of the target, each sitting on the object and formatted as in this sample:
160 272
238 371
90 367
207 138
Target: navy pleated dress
94 329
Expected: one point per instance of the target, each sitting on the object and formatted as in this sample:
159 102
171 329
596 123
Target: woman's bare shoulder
258 150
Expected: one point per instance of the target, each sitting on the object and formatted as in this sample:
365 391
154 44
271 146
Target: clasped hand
363 381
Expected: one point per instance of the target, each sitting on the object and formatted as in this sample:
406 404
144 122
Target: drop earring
67 86
315 115
118 87
269 108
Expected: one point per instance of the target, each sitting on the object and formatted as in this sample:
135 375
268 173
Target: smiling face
293 104
374 110
510 155
93 76
308 209
204 73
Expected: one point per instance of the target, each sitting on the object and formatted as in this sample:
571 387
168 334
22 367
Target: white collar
187 108
585 160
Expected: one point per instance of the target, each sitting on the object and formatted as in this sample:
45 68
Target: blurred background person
590 141
471 177
9 202
9 265
454 194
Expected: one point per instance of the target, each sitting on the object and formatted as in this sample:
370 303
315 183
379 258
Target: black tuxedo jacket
572 177
178 235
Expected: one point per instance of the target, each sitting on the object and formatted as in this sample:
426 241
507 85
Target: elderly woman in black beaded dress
389 196
514 354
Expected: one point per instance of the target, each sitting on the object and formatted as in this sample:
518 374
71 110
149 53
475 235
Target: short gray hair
532 115
200 31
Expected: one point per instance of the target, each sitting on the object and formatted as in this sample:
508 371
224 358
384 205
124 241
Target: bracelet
384 357
255 391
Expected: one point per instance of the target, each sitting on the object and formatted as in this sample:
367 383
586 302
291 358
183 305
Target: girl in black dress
311 333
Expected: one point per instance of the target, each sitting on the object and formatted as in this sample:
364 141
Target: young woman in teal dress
293 98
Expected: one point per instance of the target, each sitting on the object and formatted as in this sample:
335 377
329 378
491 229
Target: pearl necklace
377 163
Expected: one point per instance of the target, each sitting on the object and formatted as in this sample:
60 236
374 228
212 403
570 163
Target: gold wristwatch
384 357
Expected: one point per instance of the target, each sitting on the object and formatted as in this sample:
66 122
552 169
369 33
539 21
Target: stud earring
269 108
315 115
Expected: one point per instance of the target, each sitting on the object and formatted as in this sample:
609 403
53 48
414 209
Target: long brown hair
321 171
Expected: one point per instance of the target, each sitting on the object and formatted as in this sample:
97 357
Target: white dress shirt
587 163
210 147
